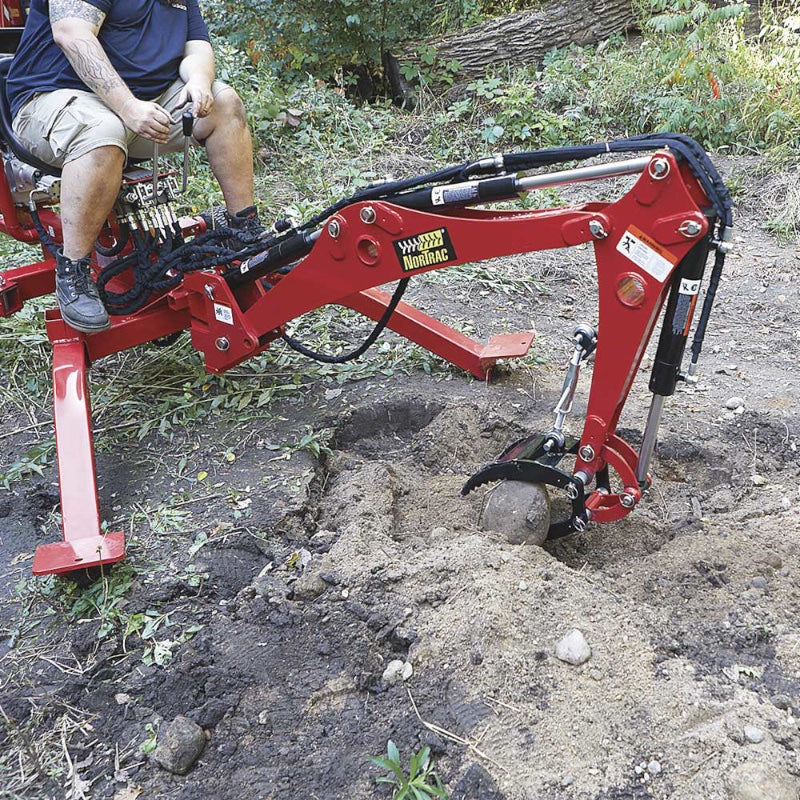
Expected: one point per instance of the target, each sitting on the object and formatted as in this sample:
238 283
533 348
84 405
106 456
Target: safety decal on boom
424 250
646 253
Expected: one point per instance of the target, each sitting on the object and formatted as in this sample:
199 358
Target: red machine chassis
359 249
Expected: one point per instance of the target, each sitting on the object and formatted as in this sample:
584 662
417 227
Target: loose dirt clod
180 744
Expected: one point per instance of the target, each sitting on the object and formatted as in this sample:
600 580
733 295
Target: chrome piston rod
649 437
631 166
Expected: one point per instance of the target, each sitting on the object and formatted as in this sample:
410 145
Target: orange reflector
368 251
631 290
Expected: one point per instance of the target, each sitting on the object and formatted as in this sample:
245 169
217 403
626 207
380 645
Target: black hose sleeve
368 342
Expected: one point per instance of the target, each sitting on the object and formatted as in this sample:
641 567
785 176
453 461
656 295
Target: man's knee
228 115
230 105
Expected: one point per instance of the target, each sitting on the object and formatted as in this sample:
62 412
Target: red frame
345 269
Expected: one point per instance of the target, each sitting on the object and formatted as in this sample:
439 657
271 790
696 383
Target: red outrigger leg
84 545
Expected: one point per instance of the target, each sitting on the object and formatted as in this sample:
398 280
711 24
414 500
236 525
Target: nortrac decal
425 250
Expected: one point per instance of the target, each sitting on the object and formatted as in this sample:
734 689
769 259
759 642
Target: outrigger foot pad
61 558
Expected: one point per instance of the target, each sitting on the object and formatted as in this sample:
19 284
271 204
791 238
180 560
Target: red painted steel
84 543
344 267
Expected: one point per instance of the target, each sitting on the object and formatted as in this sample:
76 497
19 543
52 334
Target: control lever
187 120
187 123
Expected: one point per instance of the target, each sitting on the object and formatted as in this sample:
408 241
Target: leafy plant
421 782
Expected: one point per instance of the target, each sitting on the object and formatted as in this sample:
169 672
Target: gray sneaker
77 295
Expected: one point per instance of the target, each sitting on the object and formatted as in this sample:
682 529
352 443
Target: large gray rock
180 744
755 780
518 510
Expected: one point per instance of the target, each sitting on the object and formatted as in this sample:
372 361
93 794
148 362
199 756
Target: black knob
188 123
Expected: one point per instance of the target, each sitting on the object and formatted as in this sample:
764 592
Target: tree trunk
524 37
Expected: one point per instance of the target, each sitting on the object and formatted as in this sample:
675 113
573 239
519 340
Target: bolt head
596 229
690 228
627 500
368 215
209 290
586 452
659 168
334 229
222 344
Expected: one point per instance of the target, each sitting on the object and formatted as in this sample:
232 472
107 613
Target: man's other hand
199 92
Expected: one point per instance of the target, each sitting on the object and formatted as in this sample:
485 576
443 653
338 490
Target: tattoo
92 66
75 9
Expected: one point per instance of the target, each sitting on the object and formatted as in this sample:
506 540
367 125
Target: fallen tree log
521 38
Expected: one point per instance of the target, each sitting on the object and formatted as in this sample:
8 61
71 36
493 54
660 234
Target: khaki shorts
60 126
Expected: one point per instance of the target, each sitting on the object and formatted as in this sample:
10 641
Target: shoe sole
82 327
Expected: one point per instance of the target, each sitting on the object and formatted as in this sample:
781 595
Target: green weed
421 782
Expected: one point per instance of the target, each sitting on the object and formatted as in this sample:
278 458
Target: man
95 81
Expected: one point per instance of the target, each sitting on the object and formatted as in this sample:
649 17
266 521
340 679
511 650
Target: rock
753 735
654 767
518 510
407 672
754 780
759 583
758 480
573 649
769 559
309 586
732 403
781 701
393 672
180 744
270 586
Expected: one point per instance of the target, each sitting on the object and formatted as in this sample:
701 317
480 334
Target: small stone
122 699
476 656
781 701
407 671
309 586
654 767
759 583
754 780
523 586
567 780
732 403
440 532
393 672
263 718
270 586
753 735
573 649
758 480
180 744
638 769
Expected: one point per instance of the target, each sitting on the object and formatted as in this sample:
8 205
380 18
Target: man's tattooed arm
75 27
90 62
76 9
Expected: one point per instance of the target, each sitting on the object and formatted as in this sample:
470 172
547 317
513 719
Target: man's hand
199 92
146 119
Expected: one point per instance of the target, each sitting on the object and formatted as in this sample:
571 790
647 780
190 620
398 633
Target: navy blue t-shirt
144 40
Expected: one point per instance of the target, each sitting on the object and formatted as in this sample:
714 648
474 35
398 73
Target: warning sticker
223 314
425 250
646 253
